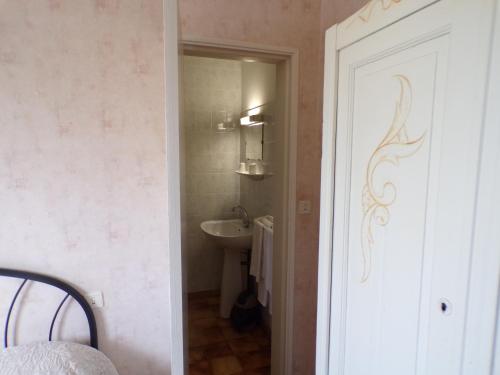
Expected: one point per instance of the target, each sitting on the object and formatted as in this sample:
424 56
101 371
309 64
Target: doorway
238 146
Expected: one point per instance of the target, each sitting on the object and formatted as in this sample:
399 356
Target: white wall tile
212 187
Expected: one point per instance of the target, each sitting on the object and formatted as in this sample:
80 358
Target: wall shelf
255 176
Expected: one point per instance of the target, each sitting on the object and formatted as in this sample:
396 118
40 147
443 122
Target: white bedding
54 358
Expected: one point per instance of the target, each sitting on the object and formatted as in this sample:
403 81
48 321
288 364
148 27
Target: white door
409 105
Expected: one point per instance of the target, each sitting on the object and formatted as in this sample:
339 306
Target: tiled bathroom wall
259 89
212 106
257 195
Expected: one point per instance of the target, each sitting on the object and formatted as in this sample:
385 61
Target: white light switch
95 299
304 207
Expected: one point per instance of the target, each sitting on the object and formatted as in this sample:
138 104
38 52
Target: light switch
304 207
95 299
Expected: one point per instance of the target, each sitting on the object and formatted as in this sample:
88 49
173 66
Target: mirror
257 134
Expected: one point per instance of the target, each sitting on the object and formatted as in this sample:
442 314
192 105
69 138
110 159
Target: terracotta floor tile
204 336
200 368
204 323
221 349
256 360
221 322
215 348
196 355
264 342
244 345
259 332
211 351
225 365
260 371
203 312
230 333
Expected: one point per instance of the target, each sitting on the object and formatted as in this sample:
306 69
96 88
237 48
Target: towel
261 265
266 285
257 242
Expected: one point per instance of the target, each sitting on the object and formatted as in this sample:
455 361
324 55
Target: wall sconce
252 120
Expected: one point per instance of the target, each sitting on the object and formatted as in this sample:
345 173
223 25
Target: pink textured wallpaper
335 11
299 24
82 162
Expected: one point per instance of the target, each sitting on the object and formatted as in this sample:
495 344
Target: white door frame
281 363
174 274
484 313
485 270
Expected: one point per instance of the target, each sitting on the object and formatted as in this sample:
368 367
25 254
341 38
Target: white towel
257 242
266 285
267 221
261 265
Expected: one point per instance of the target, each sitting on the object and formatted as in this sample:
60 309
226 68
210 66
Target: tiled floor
215 348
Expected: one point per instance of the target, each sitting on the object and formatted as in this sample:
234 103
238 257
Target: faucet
243 214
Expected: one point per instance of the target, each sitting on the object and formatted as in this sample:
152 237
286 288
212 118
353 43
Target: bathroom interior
231 173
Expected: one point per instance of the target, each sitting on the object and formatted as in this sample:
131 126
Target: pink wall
82 162
299 24
334 11
82 152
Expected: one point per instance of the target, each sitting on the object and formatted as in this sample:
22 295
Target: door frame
283 345
483 320
173 278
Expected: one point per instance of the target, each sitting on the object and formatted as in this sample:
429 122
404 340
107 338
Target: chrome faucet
243 214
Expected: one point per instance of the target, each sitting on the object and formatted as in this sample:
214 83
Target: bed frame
68 289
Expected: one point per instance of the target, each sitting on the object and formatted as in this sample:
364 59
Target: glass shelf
255 176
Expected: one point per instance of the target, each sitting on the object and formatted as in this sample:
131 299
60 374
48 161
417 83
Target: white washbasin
229 234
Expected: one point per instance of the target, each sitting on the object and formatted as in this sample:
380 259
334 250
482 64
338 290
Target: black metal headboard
70 292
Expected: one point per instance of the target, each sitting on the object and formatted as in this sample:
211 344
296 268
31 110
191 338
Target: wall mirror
257 133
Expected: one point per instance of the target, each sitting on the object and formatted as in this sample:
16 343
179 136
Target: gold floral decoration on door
365 14
376 200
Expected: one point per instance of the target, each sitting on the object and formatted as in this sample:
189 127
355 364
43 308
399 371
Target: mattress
54 358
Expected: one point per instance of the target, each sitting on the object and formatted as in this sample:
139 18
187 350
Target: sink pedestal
234 237
231 281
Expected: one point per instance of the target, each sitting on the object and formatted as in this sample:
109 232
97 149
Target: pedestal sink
232 237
